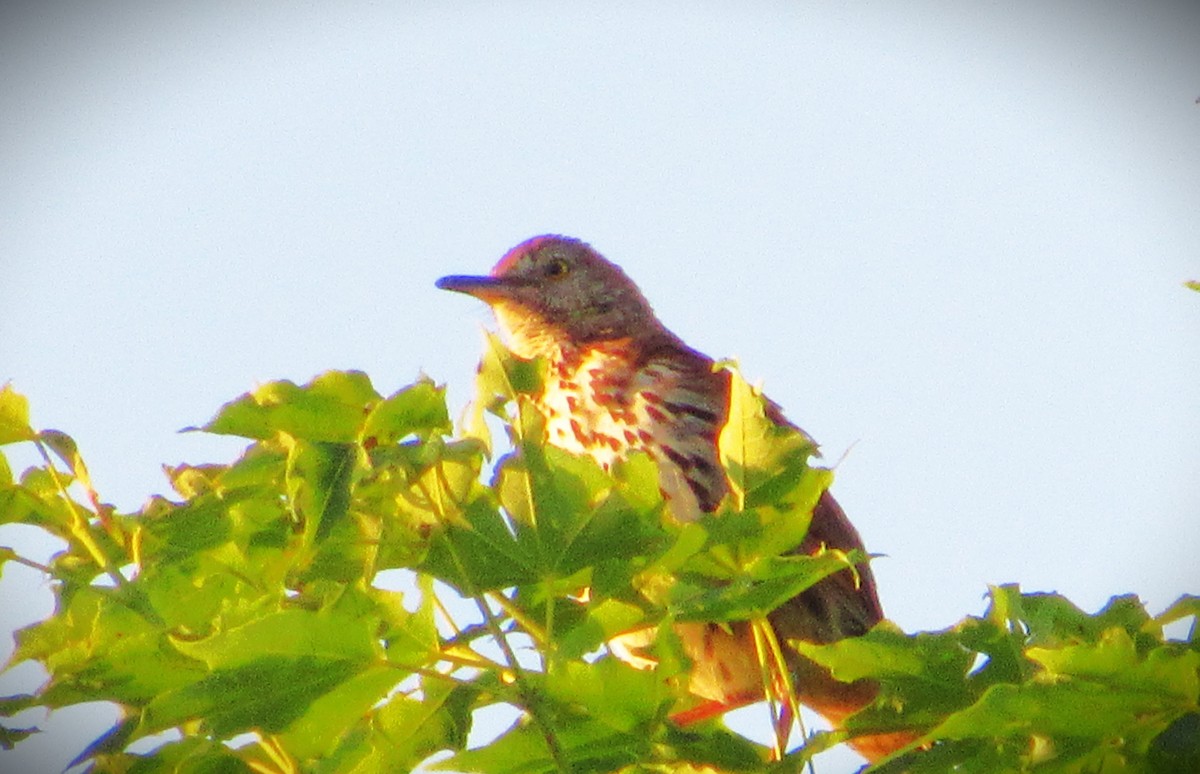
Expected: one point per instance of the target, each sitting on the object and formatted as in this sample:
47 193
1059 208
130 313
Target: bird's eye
557 268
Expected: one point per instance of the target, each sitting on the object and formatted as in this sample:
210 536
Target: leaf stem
10 555
518 615
529 700
279 756
80 525
776 679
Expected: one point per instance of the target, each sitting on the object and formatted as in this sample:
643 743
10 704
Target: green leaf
317 732
923 677
187 530
782 526
409 638
1187 606
588 745
1177 749
318 485
1018 712
761 455
288 634
97 648
601 622
14 416
553 498
717 747
479 553
194 755
197 595
261 468
614 535
10 736
65 447
11 705
772 582
6 555
267 693
1052 619
419 409
624 698
500 378
331 408
249 606
883 652
1169 674
406 731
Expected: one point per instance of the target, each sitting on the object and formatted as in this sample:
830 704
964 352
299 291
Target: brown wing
841 605
689 402
846 604
696 401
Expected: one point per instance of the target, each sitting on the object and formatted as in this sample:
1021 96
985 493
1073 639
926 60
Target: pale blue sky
950 241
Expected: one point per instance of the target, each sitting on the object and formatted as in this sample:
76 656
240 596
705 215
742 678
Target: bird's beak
484 288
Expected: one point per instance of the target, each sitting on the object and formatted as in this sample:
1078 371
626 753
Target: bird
619 382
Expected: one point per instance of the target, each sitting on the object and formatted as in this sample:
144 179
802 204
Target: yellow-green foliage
249 604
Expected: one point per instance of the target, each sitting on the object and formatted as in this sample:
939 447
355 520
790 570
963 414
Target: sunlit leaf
761 455
1066 710
67 450
14 416
500 378
318 485
480 553
317 732
268 693
409 638
773 582
331 408
1169 674
590 746
420 409
615 694
933 657
250 605
406 731
98 648
287 634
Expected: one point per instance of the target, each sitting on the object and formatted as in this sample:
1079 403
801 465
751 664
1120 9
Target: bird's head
551 293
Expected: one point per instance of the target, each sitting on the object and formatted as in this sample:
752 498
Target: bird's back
611 398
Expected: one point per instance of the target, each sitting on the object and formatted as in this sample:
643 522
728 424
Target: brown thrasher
619 381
